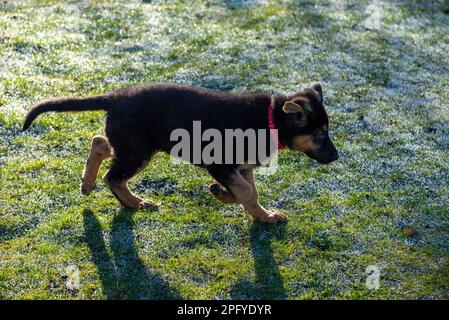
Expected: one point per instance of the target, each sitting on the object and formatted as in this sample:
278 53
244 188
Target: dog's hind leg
99 151
132 151
117 177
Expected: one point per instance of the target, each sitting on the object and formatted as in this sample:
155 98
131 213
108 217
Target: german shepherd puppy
140 120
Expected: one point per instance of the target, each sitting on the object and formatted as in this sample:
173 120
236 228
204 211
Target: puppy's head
307 125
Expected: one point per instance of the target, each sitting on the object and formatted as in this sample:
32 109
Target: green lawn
384 70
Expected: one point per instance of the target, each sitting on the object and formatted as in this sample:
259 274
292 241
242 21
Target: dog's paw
215 189
147 204
86 189
273 216
221 194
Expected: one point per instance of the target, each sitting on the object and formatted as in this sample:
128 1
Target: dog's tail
100 102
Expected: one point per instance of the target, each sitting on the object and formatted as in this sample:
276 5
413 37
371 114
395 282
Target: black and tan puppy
140 121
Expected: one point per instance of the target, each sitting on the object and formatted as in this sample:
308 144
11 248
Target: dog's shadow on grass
124 275
268 282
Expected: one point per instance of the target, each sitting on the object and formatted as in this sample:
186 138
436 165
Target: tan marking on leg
240 188
253 206
127 198
222 194
100 150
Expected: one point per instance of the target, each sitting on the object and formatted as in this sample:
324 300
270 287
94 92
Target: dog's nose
331 158
334 157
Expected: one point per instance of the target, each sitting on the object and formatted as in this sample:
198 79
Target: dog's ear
317 87
301 105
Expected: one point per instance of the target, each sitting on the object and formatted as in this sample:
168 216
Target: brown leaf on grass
409 232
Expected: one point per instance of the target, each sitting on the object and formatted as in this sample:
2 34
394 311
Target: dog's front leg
240 188
222 194
253 206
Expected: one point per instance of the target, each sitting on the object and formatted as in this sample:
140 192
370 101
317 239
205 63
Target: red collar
272 126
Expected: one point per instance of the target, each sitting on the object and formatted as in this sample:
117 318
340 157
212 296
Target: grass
387 91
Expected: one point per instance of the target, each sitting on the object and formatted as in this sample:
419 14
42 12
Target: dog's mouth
323 163
324 159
